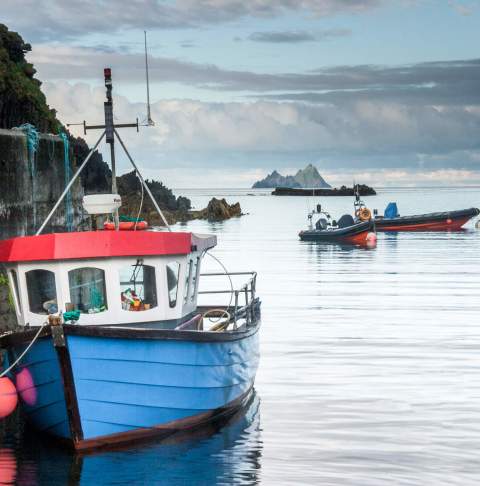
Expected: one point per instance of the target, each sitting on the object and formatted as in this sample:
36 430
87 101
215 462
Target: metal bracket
58 337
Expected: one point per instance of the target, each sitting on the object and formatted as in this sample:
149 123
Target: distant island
306 178
363 190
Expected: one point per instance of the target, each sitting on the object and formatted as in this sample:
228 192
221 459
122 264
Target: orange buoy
8 397
26 387
126 226
8 466
364 214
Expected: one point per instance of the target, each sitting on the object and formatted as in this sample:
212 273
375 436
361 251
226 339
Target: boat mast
150 122
110 134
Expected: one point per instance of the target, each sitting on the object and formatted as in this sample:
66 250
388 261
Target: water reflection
8 466
224 452
333 247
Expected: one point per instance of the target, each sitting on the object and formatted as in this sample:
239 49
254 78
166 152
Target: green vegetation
21 99
4 283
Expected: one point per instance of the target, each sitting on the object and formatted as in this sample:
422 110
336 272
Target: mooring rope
26 350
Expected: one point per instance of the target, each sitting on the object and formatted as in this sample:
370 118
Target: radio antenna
149 121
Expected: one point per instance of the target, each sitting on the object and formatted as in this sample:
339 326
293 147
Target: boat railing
242 298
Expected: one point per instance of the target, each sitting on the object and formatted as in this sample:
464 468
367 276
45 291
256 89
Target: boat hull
355 234
114 386
446 221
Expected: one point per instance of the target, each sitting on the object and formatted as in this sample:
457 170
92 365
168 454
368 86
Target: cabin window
195 272
138 287
173 271
187 280
42 293
87 290
16 291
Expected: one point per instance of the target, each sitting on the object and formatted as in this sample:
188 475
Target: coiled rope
218 324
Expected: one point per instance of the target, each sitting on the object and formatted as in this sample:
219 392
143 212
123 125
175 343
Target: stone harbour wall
29 188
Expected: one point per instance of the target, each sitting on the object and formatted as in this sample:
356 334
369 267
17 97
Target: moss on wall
8 319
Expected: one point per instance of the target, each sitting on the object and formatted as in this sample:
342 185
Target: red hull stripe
94 244
453 225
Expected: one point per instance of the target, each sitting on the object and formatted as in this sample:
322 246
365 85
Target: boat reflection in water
227 451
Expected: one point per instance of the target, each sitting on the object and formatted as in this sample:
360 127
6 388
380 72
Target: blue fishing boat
114 346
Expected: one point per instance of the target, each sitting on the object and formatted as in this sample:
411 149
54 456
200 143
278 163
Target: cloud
287 37
249 134
297 36
461 8
58 19
432 83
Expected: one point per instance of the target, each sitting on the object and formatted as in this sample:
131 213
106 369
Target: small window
196 271
138 287
187 281
87 290
173 271
15 291
42 294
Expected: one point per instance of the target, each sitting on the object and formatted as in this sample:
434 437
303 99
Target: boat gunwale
346 232
120 332
427 217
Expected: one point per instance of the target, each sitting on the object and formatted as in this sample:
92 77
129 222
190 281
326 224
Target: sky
386 92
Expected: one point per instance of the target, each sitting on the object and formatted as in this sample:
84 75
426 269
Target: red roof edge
94 244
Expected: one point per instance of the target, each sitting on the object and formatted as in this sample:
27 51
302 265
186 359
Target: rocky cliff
275 179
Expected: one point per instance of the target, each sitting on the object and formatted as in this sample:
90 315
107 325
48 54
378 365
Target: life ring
363 214
126 225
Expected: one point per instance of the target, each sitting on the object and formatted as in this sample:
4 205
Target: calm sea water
370 360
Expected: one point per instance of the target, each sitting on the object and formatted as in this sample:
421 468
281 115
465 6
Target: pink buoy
8 397
8 466
26 387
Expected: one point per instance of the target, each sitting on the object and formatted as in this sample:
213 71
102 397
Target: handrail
247 288
219 274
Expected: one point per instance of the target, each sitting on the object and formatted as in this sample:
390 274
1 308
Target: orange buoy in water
8 466
26 387
8 397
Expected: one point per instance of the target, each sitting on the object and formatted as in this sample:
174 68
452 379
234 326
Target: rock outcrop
363 190
218 210
175 209
304 178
